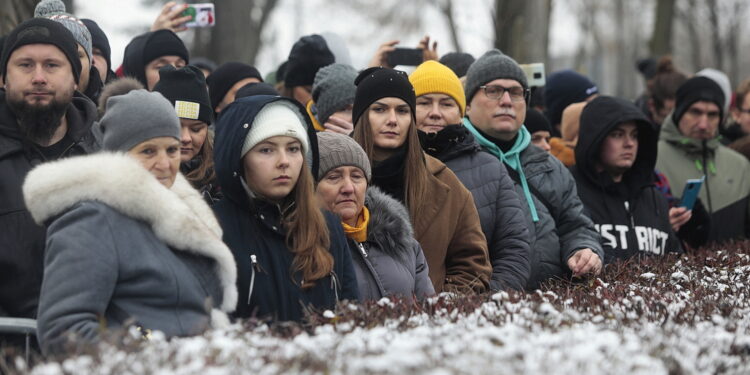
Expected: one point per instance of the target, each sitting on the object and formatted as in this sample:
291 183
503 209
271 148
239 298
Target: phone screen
405 56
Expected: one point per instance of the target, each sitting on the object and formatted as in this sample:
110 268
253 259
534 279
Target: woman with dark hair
441 209
290 255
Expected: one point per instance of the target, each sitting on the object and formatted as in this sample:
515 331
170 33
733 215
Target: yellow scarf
358 233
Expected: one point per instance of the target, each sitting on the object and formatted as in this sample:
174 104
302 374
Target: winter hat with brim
564 88
42 31
375 83
307 56
432 77
136 117
226 76
697 89
55 10
186 89
491 66
99 40
148 47
333 90
338 150
276 119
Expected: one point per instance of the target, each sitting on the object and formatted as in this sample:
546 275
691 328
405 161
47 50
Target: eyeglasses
495 92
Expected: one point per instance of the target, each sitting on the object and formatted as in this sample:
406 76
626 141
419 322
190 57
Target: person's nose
39 77
185 136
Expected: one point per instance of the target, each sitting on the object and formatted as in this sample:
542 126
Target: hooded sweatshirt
631 216
726 189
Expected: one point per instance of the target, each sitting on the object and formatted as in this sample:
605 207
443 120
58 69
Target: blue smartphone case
690 194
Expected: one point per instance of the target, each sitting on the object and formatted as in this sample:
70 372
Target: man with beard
42 118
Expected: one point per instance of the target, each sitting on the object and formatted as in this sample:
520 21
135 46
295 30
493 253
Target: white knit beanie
277 118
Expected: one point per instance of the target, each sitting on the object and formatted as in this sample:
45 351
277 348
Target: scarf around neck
359 232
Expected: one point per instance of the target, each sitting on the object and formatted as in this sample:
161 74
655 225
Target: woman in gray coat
387 260
129 241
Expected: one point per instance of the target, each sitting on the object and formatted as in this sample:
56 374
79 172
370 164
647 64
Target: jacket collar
389 225
120 182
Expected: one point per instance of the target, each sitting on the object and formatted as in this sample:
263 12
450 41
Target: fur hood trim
178 216
389 225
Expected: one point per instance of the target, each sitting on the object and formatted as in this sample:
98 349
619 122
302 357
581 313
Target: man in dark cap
42 118
149 52
101 51
309 54
689 148
224 82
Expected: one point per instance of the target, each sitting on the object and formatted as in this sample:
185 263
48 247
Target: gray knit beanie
333 90
490 66
337 150
135 117
55 10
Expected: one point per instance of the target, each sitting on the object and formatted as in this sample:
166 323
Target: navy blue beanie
564 88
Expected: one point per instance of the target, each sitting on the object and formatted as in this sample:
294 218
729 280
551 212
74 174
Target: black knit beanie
536 122
309 54
42 31
375 83
564 88
225 76
186 89
459 62
99 40
148 47
256 88
694 90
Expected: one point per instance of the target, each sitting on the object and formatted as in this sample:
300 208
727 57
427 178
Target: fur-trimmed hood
389 225
178 216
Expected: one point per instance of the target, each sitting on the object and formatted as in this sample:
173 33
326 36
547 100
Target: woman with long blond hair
291 257
442 210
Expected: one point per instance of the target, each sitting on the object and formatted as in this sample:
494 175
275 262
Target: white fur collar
178 216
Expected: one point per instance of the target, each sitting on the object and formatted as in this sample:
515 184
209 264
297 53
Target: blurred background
602 39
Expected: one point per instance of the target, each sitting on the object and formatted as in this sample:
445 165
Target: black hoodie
631 216
21 240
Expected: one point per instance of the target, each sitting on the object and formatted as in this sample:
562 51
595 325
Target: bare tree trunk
522 28
661 39
506 17
622 62
446 7
237 33
13 12
718 47
686 15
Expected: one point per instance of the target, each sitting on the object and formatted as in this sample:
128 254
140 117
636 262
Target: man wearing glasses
564 240
689 148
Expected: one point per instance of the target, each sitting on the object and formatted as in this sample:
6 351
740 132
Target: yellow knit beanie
433 77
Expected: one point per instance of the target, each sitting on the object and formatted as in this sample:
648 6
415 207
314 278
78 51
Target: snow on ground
691 316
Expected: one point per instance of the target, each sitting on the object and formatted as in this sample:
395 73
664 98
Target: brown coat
451 235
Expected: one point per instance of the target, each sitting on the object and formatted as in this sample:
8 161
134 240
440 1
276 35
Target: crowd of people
173 194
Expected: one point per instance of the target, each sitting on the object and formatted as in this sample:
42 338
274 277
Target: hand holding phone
201 15
690 194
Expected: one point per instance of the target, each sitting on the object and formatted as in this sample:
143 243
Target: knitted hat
309 54
333 89
99 40
148 47
375 83
225 76
459 62
136 117
491 66
42 31
536 122
337 45
186 89
338 150
564 88
433 77
256 88
278 118
694 90
203 64
647 67
722 80
55 10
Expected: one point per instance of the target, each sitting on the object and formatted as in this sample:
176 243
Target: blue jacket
253 231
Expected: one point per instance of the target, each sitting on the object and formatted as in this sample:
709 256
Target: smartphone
405 56
535 74
690 194
203 15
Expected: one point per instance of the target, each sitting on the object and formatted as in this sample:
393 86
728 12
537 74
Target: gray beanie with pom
55 10
333 90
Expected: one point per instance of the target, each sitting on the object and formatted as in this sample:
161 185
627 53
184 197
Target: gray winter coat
122 248
391 261
499 208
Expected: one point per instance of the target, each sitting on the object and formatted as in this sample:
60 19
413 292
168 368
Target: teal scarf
512 158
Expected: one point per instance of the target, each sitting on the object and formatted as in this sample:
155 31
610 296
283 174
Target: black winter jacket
631 216
498 204
21 240
253 231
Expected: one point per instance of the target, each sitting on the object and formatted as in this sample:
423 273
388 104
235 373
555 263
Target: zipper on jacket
254 266
706 173
335 285
362 249
630 215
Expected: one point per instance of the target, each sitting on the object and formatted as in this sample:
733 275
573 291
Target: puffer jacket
254 232
726 190
562 228
121 248
498 205
391 261
21 239
632 216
